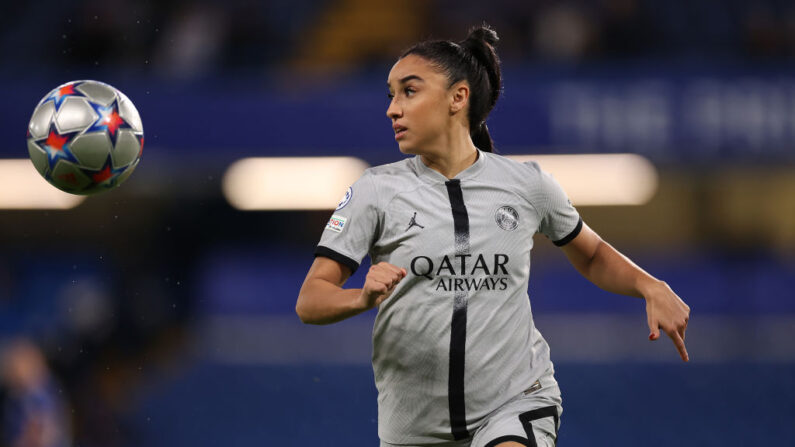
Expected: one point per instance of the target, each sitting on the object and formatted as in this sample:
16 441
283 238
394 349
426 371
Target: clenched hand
380 283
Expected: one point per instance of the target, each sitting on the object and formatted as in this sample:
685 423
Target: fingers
680 345
654 327
666 312
681 330
677 336
387 274
381 279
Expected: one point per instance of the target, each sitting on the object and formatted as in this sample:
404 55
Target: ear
459 96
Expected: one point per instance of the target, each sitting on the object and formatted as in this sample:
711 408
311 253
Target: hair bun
480 44
482 33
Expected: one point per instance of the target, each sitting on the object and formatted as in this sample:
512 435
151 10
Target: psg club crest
507 218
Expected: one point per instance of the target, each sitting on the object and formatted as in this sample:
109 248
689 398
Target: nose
394 111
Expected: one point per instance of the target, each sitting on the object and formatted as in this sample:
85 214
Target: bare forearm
604 266
321 302
614 272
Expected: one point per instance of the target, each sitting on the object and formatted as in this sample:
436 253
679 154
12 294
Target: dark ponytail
475 60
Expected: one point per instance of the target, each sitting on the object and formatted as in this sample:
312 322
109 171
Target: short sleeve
560 221
350 232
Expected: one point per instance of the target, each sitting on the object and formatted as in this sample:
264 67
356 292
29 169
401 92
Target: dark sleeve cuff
342 259
571 235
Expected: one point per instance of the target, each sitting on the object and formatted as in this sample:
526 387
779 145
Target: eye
390 95
409 91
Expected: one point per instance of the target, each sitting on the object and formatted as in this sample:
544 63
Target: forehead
413 65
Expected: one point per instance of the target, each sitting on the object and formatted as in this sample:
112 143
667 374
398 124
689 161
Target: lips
400 131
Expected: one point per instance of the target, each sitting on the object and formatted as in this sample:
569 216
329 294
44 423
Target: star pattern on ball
107 173
59 95
140 138
56 145
108 120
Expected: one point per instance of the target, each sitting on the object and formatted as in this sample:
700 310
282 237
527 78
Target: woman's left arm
604 266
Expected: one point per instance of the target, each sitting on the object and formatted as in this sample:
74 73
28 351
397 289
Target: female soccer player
456 356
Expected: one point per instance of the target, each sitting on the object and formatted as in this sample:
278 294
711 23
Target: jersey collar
433 176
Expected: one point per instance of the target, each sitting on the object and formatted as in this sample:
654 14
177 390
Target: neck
454 154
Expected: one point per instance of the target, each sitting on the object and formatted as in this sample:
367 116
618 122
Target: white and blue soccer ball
85 137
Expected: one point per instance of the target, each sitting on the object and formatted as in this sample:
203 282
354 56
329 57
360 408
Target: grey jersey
456 338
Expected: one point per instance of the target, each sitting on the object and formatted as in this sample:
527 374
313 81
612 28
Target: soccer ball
85 137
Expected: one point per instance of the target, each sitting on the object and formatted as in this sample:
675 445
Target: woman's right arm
322 300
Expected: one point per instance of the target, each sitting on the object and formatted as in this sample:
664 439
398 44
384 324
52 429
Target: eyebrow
408 78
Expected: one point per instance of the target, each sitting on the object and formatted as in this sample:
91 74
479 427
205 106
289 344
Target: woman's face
420 104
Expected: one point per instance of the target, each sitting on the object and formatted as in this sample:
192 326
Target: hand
379 283
666 311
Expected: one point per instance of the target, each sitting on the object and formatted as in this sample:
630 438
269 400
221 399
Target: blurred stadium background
166 314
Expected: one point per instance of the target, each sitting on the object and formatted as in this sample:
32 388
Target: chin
407 148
